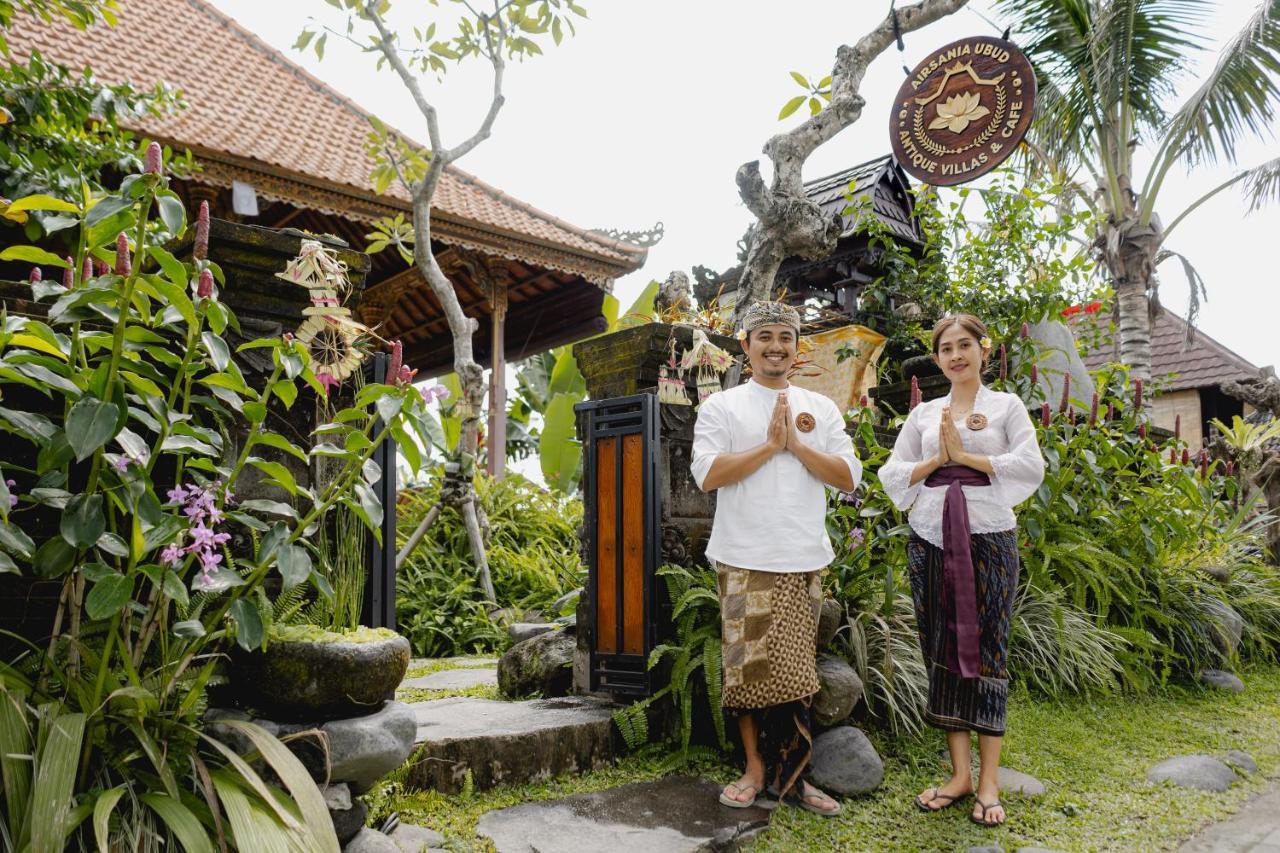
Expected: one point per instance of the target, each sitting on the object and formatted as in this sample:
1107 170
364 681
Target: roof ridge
848 169
277 56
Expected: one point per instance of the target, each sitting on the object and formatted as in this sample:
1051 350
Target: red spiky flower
200 248
1093 410
1137 394
151 164
1046 414
35 275
69 273
123 264
1065 402
204 287
397 359
1177 428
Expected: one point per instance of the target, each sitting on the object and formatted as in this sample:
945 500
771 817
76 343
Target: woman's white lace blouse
1008 440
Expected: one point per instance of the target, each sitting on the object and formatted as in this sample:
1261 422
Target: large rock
1194 771
1222 680
677 814
319 680
1022 783
416 839
540 666
505 743
844 762
1241 761
840 691
349 821
370 841
521 631
1059 356
364 749
1228 625
829 621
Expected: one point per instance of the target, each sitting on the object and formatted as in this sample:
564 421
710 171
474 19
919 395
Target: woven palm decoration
329 331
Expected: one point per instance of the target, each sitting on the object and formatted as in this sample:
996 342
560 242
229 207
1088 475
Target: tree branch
386 43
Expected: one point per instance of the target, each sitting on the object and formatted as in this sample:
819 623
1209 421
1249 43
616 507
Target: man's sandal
802 800
739 788
986 807
924 805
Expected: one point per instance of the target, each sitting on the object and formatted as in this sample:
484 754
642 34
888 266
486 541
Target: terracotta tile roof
249 105
1199 363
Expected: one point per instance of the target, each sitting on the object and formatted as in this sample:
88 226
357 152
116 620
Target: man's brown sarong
769 628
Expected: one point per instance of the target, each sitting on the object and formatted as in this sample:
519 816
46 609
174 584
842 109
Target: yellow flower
742 334
957 111
985 343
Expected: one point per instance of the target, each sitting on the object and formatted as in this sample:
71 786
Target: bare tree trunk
470 374
788 224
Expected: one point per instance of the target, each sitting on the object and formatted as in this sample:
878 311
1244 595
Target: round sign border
1017 60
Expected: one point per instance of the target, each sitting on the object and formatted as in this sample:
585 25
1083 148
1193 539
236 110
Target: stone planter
920 367
302 680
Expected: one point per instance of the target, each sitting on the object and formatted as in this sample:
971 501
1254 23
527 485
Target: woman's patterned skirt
956 703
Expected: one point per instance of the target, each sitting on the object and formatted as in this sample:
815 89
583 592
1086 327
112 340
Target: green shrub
533 557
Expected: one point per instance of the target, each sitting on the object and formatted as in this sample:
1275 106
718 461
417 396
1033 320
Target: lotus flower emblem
956 112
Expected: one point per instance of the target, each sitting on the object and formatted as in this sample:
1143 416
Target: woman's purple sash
960 592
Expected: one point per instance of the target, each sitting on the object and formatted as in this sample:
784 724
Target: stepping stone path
1241 761
1203 772
1022 783
521 631
452 679
504 743
678 814
1222 680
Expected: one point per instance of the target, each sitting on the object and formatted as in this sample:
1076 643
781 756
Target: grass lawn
1092 754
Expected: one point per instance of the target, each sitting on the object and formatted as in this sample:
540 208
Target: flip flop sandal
923 805
989 824
729 801
796 799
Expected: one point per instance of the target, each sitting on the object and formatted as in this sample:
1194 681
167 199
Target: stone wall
1165 409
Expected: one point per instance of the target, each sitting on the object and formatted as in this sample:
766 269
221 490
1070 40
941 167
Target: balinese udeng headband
765 313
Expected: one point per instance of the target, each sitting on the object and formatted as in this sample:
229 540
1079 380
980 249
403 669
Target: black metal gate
627 607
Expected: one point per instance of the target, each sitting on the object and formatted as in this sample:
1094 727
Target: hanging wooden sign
963 110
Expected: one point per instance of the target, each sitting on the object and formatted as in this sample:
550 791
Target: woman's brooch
976 421
805 422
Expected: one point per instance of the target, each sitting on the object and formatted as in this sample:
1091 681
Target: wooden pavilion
279 148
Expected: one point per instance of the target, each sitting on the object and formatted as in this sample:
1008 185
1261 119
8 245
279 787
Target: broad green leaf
15 765
53 791
32 254
791 106
370 503
219 354
36 428
108 596
16 541
302 788
248 624
43 202
102 815
91 423
107 207
54 558
272 507
172 213
182 822
252 826
279 442
279 475
295 565
559 450
83 522
189 629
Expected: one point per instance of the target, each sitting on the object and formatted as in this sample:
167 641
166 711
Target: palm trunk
1135 328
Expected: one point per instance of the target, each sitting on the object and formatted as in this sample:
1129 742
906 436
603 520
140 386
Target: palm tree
1108 73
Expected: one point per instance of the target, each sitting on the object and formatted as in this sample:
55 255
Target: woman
962 463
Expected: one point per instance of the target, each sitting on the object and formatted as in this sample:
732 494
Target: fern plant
692 660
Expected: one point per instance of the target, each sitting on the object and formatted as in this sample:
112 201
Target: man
768 448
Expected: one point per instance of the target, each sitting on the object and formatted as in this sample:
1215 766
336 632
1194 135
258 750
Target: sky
645 115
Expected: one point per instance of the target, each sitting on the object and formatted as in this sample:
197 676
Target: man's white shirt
774 520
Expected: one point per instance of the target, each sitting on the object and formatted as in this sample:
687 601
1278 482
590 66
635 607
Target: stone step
678 814
506 743
452 679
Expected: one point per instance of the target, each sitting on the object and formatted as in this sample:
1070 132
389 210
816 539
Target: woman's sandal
986 807
923 805
738 787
